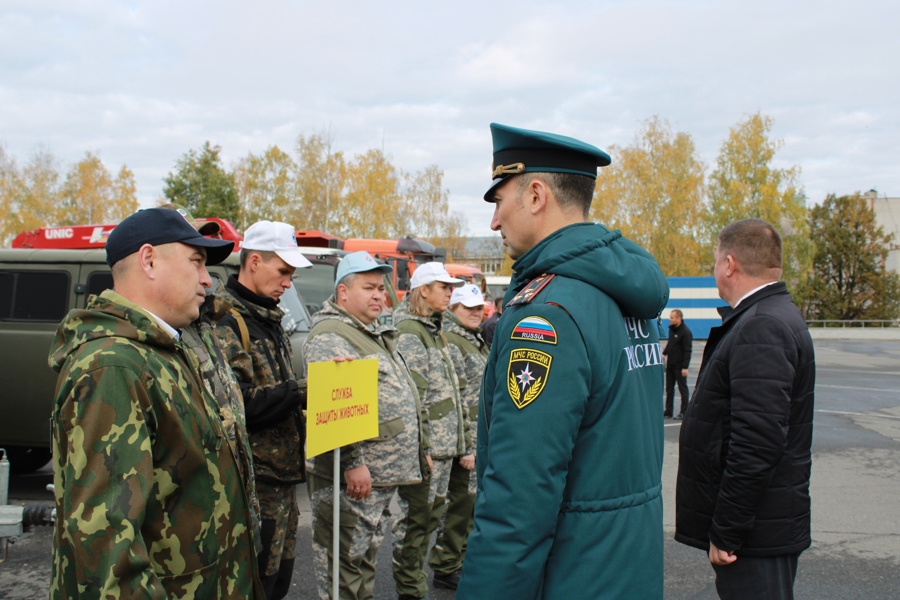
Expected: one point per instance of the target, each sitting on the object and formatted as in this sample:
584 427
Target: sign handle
335 526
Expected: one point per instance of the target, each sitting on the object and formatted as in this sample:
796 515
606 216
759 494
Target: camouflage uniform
395 458
437 369
149 497
222 385
450 543
272 398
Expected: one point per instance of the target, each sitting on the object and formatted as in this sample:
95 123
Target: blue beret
525 151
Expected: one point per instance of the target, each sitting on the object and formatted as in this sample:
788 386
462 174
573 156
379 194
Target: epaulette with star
528 293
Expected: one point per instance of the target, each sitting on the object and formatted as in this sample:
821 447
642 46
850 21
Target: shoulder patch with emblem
527 375
534 329
527 293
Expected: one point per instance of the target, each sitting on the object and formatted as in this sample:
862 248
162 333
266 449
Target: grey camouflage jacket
437 369
474 351
397 455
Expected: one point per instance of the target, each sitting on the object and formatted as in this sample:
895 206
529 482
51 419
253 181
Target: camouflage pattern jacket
437 369
222 385
149 498
273 396
475 352
397 455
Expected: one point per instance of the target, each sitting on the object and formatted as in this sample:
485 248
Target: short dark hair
755 245
678 312
570 190
266 255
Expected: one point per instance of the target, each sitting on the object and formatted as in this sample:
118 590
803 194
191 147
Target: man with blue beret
570 436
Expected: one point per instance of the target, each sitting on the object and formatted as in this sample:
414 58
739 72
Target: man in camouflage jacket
347 328
449 549
437 368
149 495
259 352
221 383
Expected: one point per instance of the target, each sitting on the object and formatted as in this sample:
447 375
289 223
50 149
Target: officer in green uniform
570 436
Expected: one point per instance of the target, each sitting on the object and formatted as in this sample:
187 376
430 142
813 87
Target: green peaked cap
526 151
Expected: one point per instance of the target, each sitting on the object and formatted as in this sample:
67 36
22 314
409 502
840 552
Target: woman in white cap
462 328
437 369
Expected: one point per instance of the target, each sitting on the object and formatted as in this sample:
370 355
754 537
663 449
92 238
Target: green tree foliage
202 185
654 192
745 184
848 278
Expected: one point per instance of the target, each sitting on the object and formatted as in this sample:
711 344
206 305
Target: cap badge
512 169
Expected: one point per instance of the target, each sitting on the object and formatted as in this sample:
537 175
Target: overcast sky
143 82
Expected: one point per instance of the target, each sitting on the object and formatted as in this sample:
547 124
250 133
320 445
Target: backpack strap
242 327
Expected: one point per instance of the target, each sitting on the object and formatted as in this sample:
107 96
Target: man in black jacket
678 359
744 462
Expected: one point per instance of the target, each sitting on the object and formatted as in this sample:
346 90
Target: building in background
887 215
485 252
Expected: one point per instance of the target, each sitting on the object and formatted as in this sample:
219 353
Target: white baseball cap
431 272
272 236
468 295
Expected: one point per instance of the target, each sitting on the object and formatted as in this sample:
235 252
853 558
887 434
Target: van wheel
26 460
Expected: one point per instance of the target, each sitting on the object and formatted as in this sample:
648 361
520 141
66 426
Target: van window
295 316
34 295
316 285
97 282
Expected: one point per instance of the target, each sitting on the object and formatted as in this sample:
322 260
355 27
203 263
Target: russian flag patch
534 329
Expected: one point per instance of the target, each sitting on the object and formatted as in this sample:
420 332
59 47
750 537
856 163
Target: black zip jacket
679 346
744 451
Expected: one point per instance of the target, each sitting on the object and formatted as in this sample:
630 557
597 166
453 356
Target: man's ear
731 264
146 255
253 261
537 195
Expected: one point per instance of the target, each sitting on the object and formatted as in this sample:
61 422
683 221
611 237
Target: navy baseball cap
158 226
525 151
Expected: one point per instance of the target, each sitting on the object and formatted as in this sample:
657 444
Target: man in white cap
437 368
347 328
259 352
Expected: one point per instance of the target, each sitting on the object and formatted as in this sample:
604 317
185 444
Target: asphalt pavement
855 493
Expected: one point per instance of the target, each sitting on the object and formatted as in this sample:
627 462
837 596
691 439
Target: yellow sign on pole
342 404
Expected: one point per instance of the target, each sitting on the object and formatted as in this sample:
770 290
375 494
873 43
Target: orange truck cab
403 254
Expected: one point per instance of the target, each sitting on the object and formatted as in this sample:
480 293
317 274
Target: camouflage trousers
361 531
279 514
449 549
421 509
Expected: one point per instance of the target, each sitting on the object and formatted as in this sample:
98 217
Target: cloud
143 82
